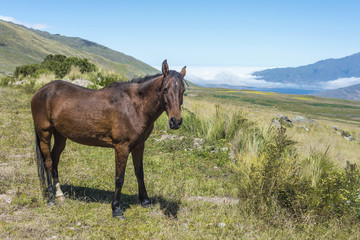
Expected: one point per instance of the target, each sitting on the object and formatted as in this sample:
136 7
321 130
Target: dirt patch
216 200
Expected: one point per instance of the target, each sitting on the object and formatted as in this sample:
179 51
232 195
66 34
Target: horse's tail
40 163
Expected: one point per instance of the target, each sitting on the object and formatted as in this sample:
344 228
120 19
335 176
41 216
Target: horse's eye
165 90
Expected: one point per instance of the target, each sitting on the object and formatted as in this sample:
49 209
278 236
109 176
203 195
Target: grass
27 46
176 172
318 107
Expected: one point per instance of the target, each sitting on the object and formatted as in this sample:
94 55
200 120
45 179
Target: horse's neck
151 98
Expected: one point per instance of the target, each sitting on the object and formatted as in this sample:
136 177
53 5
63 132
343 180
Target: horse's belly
87 135
92 142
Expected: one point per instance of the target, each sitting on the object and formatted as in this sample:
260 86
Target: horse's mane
142 79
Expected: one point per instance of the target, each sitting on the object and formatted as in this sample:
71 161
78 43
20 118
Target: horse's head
173 89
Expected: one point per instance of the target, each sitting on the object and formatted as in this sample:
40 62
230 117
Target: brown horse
119 116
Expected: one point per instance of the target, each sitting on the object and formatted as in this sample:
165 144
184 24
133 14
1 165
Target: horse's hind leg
58 148
45 139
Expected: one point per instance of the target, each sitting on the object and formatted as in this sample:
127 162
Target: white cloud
242 76
38 26
236 76
339 83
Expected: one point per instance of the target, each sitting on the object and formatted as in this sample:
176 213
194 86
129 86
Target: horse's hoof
146 203
60 198
118 215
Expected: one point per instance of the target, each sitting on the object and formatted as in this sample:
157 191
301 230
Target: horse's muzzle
175 124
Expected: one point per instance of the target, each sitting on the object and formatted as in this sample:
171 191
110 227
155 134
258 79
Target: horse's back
55 96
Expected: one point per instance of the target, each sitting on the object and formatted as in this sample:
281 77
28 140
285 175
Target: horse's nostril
172 120
180 122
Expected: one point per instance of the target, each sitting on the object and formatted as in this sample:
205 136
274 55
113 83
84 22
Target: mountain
20 45
350 93
322 71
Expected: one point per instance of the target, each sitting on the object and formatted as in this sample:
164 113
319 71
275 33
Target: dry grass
174 177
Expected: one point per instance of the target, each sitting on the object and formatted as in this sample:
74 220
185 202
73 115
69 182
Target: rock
198 143
285 121
214 150
166 137
275 123
20 82
336 128
82 82
349 138
303 120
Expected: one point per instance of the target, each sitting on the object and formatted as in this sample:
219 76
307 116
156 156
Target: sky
244 33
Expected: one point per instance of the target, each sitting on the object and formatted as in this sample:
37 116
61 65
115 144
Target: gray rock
336 128
303 120
20 82
214 150
275 123
82 82
198 143
285 121
166 137
349 138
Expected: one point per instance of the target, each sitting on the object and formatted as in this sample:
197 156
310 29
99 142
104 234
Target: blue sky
250 33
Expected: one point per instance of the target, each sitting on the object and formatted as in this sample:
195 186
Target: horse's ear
165 68
183 71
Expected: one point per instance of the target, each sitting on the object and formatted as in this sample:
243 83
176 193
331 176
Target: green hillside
20 45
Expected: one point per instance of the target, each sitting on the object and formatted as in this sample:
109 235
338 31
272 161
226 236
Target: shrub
277 179
59 64
104 79
6 80
26 70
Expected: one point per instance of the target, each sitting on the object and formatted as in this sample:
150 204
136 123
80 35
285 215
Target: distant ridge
20 45
350 93
321 71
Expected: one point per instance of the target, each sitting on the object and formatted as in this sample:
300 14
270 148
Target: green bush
103 79
59 64
278 180
6 80
26 70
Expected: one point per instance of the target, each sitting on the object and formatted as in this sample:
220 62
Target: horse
119 116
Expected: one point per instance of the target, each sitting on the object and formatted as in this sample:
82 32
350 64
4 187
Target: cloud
38 26
242 77
339 83
236 76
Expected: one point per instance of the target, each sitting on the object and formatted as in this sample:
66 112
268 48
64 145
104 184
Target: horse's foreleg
59 146
121 156
137 156
45 138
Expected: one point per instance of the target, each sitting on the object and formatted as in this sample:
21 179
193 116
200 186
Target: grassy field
316 107
212 192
